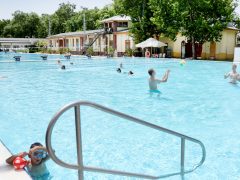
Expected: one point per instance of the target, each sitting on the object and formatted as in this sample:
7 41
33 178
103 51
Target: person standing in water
233 75
153 81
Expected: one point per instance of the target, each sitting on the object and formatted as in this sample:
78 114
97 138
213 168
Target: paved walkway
7 172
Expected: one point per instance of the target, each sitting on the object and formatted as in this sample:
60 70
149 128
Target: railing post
79 142
182 155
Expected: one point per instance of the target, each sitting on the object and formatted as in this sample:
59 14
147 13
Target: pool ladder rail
81 167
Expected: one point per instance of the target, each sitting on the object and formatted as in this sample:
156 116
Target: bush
90 51
63 50
111 51
129 52
33 49
22 50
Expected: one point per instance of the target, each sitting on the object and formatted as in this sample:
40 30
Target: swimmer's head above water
130 73
234 67
119 70
152 72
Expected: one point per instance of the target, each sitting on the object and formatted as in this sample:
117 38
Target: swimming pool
196 101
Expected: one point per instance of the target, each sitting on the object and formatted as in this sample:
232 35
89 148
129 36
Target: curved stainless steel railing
81 168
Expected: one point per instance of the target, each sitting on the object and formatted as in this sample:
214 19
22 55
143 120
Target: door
212 50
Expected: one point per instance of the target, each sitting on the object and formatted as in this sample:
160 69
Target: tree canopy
140 13
64 19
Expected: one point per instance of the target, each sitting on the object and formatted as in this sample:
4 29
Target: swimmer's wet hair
150 71
35 144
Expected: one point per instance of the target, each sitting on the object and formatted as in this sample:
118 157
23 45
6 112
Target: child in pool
153 81
234 76
36 167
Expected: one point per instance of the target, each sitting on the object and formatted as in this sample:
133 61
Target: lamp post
84 25
49 26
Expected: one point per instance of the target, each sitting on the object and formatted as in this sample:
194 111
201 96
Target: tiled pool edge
7 172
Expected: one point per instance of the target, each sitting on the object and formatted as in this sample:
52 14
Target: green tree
32 24
3 23
58 20
22 25
8 31
140 13
42 29
65 19
199 20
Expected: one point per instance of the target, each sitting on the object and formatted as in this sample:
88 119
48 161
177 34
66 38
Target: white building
13 43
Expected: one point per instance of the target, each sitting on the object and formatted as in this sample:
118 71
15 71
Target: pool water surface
195 101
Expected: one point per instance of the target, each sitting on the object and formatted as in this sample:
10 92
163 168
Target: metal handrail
81 168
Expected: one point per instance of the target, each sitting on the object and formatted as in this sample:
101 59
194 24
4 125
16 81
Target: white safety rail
81 167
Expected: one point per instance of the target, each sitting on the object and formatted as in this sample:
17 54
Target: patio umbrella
140 45
151 42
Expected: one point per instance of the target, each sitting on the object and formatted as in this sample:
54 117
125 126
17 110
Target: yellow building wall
175 46
224 48
121 38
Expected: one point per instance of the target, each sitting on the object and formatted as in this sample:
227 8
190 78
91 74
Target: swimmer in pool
234 76
121 66
63 67
36 167
153 81
59 62
3 77
130 73
118 70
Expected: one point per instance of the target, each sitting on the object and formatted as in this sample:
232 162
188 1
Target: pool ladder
80 166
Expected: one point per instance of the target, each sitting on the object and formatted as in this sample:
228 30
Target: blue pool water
196 101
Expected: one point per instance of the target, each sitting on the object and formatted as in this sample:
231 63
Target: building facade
113 36
222 50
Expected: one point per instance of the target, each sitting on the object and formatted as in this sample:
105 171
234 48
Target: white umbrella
151 42
140 45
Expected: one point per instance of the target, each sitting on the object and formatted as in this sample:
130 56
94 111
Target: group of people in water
233 75
120 70
62 66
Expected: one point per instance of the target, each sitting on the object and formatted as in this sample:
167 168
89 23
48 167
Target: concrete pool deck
6 171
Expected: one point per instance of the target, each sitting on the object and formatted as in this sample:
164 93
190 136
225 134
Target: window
127 44
77 43
67 43
122 24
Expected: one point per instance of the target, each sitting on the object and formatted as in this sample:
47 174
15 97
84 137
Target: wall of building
122 37
224 48
175 46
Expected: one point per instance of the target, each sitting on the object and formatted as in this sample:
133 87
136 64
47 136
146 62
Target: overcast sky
7 7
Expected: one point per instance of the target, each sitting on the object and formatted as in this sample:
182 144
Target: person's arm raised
165 77
226 75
